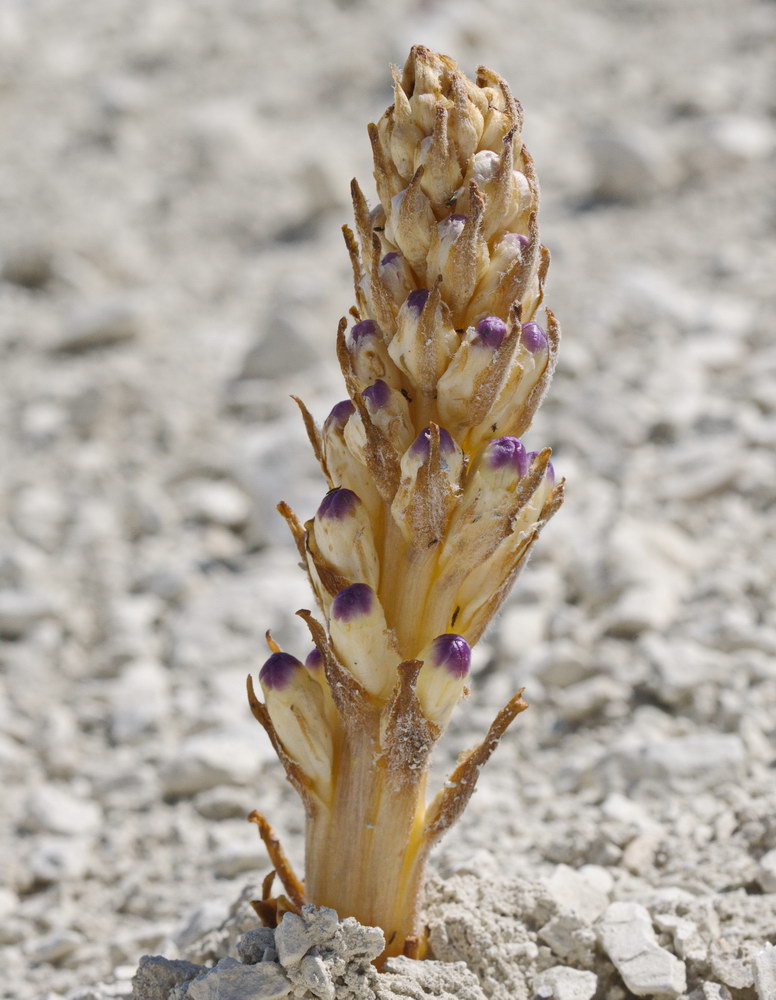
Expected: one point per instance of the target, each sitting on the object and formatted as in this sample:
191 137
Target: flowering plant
434 503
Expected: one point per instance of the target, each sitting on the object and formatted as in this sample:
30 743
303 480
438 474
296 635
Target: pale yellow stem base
365 855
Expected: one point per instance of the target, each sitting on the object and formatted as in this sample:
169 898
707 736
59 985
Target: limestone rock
101 324
404 977
156 977
563 983
765 972
626 934
55 809
231 980
292 939
207 760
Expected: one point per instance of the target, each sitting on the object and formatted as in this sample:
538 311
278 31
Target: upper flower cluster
434 502
458 200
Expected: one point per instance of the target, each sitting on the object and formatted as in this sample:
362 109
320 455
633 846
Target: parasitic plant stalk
434 503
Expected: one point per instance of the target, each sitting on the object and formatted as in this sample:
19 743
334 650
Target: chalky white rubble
434 503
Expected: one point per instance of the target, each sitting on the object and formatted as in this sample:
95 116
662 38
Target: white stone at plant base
231 980
406 977
156 977
562 983
626 935
315 977
293 939
478 921
765 973
252 946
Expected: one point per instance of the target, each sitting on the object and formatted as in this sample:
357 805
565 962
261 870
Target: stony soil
172 182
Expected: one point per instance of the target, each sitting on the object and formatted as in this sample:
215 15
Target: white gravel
173 179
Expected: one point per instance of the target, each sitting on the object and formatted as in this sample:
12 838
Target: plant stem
365 854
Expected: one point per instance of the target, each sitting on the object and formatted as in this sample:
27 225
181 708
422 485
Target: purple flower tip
446 443
392 255
421 446
456 217
277 673
549 472
377 395
314 660
506 451
522 240
417 299
337 504
453 653
490 332
366 328
341 413
353 601
533 337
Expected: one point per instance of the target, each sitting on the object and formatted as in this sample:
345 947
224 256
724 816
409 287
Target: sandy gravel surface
173 176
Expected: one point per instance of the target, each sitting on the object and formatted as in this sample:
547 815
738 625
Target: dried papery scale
434 503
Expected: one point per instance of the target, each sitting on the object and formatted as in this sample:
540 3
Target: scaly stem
365 855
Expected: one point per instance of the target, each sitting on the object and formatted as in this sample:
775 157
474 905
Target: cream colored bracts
433 504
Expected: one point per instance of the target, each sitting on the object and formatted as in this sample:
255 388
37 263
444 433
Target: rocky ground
172 182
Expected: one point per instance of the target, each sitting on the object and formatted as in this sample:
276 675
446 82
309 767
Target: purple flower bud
421 446
506 451
417 299
453 653
377 395
549 472
533 337
314 660
522 240
277 673
392 255
456 217
337 504
340 414
366 328
490 332
355 600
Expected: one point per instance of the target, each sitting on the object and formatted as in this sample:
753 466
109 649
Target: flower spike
434 502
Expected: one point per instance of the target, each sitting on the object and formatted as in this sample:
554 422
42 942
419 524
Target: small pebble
562 983
102 324
627 936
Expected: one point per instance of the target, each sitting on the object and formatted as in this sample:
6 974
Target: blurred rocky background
173 178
